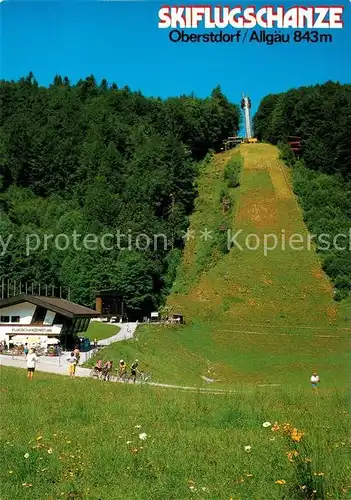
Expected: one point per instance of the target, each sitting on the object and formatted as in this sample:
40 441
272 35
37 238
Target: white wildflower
143 436
26 455
247 449
266 424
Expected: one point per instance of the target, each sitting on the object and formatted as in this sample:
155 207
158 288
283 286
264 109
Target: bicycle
106 375
141 376
94 373
113 377
121 377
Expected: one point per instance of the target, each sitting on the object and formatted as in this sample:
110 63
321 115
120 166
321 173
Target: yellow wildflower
296 435
280 481
291 454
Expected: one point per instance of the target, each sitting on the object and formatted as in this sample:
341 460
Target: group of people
104 370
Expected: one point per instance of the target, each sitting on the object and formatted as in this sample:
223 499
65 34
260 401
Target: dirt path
6 360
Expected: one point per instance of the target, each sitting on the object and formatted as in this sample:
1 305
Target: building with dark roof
43 316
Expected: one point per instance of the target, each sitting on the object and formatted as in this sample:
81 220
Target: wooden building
110 303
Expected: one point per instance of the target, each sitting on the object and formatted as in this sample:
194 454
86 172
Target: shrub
232 172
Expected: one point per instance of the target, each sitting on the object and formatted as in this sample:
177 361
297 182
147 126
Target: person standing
31 363
72 363
26 350
76 353
315 381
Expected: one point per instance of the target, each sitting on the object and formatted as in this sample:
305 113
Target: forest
321 116
94 159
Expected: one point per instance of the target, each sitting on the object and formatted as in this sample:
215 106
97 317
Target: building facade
29 315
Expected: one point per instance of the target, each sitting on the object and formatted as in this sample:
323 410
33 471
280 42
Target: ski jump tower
246 107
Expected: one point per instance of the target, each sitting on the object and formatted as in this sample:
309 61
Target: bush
286 154
327 208
224 194
232 172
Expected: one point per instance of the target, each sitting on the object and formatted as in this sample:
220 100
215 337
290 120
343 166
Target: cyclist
122 369
134 369
106 370
98 367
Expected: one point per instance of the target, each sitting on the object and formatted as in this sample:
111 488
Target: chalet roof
60 306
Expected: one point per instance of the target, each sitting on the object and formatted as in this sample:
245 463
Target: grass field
284 288
251 320
80 439
101 331
182 355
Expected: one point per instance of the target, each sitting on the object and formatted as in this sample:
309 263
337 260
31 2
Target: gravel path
6 360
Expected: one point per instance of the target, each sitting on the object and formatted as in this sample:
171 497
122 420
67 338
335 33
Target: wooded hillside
96 159
320 115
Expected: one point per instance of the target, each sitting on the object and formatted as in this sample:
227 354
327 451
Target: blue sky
120 41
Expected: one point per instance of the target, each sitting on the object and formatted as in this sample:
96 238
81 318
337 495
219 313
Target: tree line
321 116
92 158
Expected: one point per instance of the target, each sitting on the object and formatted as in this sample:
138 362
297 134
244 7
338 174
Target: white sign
154 315
41 330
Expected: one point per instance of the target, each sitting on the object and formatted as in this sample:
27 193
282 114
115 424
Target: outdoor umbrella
52 341
33 340
18 339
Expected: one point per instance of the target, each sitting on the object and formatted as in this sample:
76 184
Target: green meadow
100 331
80 439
